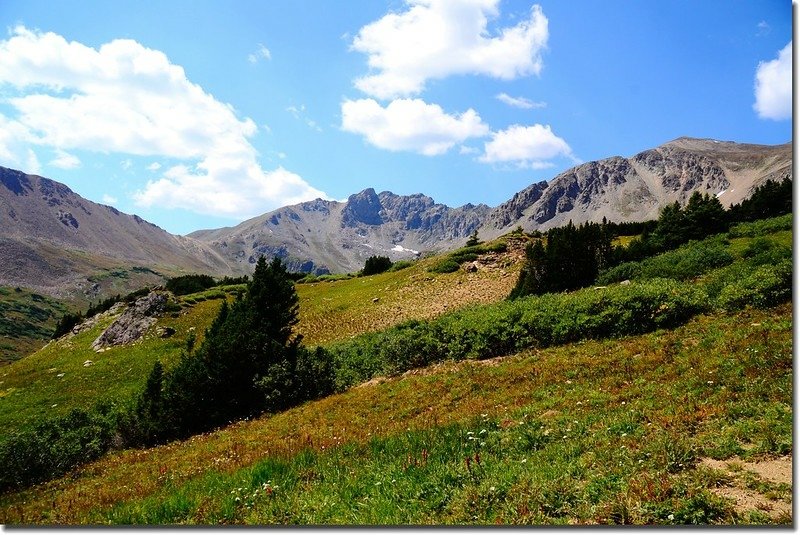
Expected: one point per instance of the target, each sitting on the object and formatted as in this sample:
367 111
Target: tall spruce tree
247 363
571 259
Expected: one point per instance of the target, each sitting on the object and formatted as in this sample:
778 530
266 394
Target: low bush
401 264
765 286
488 331
761 227
684 263
55 446
453 261
447 265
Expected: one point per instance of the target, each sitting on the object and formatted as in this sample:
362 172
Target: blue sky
199 114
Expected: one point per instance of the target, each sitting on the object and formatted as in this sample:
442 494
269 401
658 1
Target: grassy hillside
27 321
339 309
55 379
668 427
614 431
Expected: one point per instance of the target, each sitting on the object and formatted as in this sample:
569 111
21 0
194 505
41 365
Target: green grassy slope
596 432
27 320
340 309
605 431
54 379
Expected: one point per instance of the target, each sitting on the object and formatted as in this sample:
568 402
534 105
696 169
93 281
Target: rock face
133 323
328 236
637 188
57 243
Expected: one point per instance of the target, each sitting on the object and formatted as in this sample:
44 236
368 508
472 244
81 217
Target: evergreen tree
703 216
571 259
770 199
473 239
249 362
376 264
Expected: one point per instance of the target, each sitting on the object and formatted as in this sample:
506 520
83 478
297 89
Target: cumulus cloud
410 125
155 166
262 53
526 146
65 160
434 39
15 150
519 102
129 99
773 89
108 199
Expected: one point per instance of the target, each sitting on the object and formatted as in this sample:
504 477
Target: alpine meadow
294 332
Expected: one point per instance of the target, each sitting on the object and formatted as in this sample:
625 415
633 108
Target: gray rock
133 323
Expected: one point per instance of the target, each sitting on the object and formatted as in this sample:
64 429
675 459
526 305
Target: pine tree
473 239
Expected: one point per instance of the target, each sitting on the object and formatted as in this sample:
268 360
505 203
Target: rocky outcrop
134 322
636 188
364 207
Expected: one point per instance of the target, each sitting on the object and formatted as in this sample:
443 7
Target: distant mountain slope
635 189
56 242
329 236
321 236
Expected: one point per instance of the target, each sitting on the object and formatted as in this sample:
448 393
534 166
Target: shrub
376 264
761 227
53 447
765 286
453 261
486 331
447 265
684 263
401 264
189 284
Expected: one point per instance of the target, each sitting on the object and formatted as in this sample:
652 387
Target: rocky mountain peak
363 207
16 181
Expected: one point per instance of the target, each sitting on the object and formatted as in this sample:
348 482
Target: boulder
133 323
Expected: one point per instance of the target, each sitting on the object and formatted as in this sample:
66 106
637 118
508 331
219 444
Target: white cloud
262 53
763 28
300 115
434 39
527 146
773 88
410 125
65 160
128 99
519 102
32 164
155 166
15 148
108 199
126 164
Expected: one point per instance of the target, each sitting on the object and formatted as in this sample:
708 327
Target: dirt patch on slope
744 488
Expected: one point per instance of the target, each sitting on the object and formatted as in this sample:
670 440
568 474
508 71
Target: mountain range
54 241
